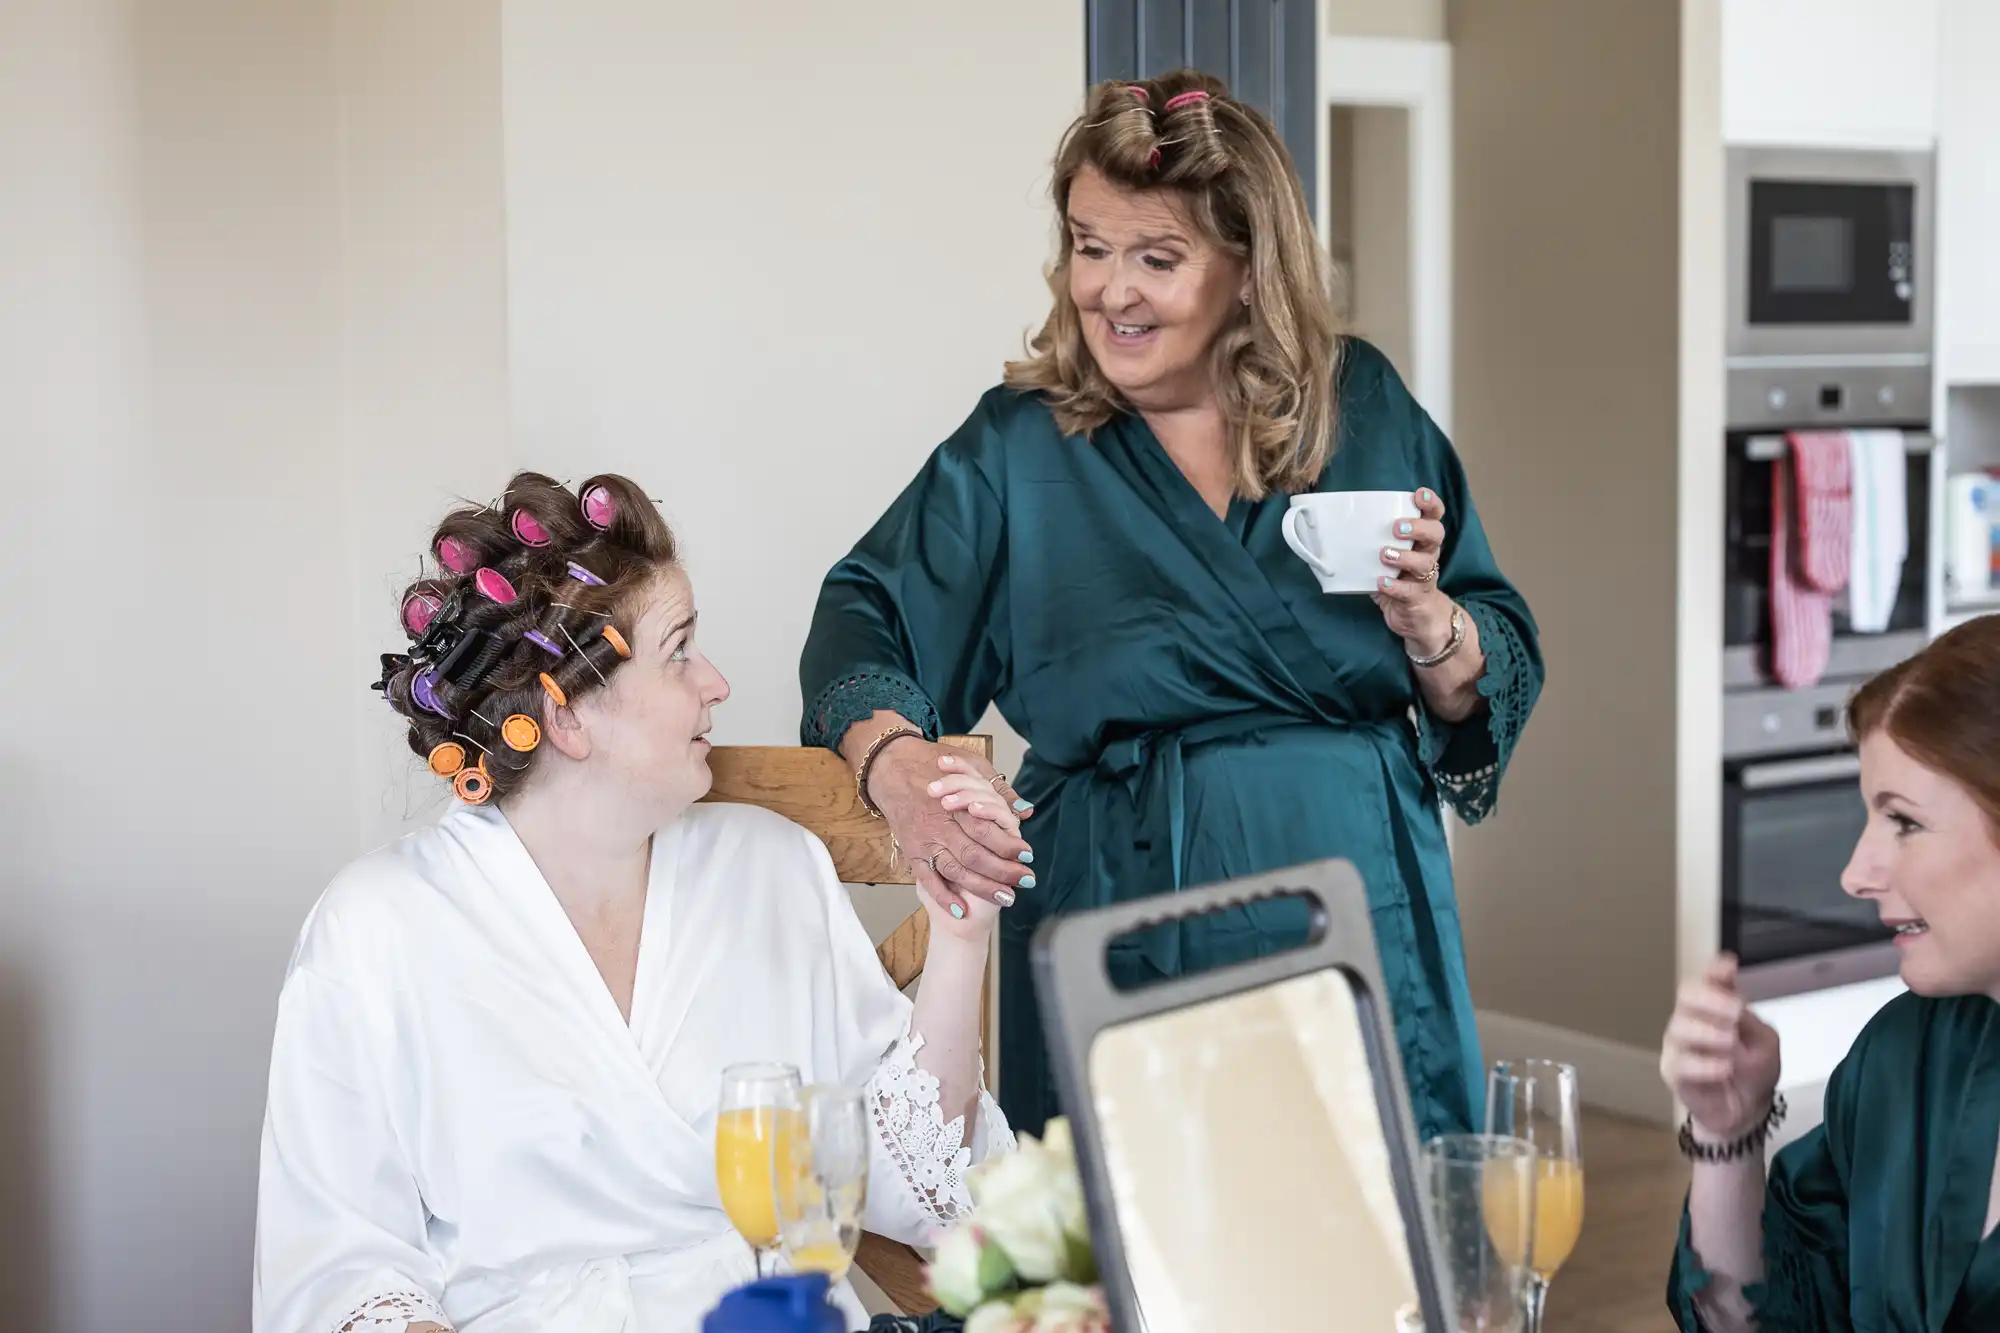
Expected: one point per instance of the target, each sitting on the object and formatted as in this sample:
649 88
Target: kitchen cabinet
1833 73
1968 175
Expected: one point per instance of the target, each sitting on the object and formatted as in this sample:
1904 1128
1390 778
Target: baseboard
1611 1076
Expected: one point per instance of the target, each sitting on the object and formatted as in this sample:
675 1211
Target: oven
1788 828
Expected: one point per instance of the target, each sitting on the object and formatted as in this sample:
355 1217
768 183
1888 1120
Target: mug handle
1289 527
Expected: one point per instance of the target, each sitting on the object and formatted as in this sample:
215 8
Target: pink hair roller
419 609
1180 100
529 529
493 585
599 509
457 556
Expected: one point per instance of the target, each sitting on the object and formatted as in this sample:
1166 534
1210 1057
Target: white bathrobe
462 1128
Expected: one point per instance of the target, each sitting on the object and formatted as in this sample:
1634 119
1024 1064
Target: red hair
1942 708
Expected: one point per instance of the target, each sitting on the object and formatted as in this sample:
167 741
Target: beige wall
1368 224
423 330
252 329
1420 19
777 366
1567 182
256 336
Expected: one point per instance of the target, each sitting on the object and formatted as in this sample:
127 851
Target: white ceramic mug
1340 535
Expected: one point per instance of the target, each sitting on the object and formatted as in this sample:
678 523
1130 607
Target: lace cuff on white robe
932 1155
392 1313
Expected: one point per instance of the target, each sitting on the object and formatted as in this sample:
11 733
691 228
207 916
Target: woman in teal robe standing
1097 551
1885 1217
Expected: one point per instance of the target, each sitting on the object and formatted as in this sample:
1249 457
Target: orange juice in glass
757 1109
1536 1101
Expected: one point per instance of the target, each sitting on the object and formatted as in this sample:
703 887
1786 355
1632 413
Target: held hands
1408 593
1720 1059
955 820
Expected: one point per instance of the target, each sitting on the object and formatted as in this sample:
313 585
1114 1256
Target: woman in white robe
499 1043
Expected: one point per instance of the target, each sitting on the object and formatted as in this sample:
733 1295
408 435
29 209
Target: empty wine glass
1481 1193
820 1173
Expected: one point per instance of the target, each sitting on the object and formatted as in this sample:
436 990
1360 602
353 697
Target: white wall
764 258
243 350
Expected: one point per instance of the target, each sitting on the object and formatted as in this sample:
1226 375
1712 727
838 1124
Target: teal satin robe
1196 708
1872 1221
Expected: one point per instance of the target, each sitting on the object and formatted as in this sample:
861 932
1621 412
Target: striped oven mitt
1812 527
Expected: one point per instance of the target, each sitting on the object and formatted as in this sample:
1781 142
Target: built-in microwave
1830 266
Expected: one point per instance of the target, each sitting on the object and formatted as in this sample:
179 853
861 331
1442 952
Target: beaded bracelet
1751 1141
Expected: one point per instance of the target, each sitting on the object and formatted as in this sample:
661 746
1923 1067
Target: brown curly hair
1274 366
479 660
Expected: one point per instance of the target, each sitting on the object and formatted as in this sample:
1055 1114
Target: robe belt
595 1296
1138 761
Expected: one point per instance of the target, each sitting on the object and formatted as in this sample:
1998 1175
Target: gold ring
1429 574
997 781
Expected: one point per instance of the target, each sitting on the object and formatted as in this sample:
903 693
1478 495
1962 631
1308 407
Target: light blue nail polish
1403 529
957 911
1004 898
1388 583
1027 858
1022 805
1027 881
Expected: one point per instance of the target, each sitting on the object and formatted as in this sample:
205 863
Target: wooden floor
1634 1182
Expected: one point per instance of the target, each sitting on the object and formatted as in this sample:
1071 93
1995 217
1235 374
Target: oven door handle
1800 772
1767 448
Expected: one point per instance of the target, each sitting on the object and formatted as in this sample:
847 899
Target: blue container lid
790 1304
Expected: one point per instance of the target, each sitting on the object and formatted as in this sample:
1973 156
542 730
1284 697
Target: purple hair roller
543 642
424 691
582 575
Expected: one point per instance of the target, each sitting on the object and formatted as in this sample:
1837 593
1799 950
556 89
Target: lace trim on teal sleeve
1509 690
854 698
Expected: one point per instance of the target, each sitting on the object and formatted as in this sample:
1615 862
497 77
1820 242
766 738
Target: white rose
997 1317
1057 1139
1064 1307
1069 1183
1016 1201
968 1266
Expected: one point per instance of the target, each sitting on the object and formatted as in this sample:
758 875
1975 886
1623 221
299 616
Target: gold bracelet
868 762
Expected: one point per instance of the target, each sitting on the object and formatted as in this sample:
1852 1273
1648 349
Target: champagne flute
821 1177
1481 1193
758 1106
1536 1101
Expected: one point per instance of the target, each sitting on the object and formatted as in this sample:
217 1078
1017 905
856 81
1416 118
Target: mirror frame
1078 1002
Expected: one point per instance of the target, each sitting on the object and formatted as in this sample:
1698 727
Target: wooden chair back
813 787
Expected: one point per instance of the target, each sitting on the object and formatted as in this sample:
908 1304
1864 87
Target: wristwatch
1457 638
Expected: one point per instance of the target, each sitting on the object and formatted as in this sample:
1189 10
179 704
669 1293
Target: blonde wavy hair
1274 364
